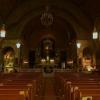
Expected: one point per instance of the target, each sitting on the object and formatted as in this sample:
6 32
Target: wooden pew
82 82
10 89
78 94
33 81
12 97
79 90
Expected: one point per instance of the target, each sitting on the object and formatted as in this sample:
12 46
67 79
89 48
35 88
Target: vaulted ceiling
22 18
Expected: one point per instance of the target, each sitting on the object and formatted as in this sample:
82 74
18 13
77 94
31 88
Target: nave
26 86
32 85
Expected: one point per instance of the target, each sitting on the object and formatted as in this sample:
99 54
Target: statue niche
48 54
47 48
8 59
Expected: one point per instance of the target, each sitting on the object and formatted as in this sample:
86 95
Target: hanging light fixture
46 17
78 45
95 33
18 44
3 31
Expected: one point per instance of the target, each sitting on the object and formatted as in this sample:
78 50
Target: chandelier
46 17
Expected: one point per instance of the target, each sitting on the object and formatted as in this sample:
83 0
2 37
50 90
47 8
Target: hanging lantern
78 45
18 45
95 34
3 31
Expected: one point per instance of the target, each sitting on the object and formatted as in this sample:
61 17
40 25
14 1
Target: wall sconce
18 44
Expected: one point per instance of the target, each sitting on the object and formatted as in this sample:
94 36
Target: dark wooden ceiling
23 16
89 7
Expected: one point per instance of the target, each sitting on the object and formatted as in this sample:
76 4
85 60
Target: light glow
18 45
78 45
95 35
2 31
43 60
52 61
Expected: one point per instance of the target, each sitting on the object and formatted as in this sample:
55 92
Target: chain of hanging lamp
46 17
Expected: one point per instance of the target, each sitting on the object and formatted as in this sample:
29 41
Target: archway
8 55
87 59
47 60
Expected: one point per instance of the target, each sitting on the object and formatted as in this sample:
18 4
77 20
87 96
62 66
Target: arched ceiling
24 15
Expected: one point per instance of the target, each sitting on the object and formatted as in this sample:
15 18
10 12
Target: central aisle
49 92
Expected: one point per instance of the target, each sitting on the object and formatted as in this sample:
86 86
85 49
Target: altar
48 68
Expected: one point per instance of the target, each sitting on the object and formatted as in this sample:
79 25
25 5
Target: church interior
49 50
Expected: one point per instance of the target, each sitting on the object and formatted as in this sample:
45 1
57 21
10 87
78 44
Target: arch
87 60
60 30
8 55
47 47
66 10
87 52
7 49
